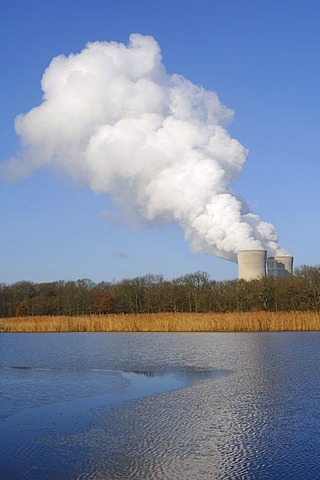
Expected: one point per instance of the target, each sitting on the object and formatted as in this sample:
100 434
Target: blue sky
260 57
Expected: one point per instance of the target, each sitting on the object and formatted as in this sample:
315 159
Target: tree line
194 292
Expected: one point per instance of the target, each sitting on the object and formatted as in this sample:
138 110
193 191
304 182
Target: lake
160 406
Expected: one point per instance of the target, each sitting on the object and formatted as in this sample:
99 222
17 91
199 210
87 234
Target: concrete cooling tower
251 264
280 266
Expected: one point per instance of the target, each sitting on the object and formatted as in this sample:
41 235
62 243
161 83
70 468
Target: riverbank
167 322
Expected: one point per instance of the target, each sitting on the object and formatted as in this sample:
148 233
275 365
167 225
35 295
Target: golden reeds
168 322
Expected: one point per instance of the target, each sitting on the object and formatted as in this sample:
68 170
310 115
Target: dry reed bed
168 322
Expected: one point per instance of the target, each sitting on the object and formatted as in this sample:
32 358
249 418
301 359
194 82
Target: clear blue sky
263 60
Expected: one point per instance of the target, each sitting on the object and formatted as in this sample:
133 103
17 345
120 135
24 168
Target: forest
194 292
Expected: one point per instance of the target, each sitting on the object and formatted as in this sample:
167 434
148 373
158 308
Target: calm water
160 406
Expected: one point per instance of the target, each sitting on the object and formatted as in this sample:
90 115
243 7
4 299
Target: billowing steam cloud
113 118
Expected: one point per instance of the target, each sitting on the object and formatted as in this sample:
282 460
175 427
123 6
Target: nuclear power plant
254 264
280 266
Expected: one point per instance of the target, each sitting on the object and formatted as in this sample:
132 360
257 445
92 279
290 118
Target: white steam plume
113 118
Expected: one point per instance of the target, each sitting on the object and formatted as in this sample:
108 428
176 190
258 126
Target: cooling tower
280 266
251 264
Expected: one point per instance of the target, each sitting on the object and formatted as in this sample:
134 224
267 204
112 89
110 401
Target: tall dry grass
168 322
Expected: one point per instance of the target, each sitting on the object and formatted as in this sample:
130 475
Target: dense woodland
194 292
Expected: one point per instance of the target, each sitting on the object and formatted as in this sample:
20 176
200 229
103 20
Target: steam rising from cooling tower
115 120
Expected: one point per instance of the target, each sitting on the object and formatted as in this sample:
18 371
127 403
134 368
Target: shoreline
166 322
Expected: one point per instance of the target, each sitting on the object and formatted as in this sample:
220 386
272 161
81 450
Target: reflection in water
191 406
144 373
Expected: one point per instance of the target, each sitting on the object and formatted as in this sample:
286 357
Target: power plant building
280 266
253 264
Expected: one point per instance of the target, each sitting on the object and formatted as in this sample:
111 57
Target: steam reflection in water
198 406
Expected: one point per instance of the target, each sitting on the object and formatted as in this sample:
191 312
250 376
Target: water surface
160 406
